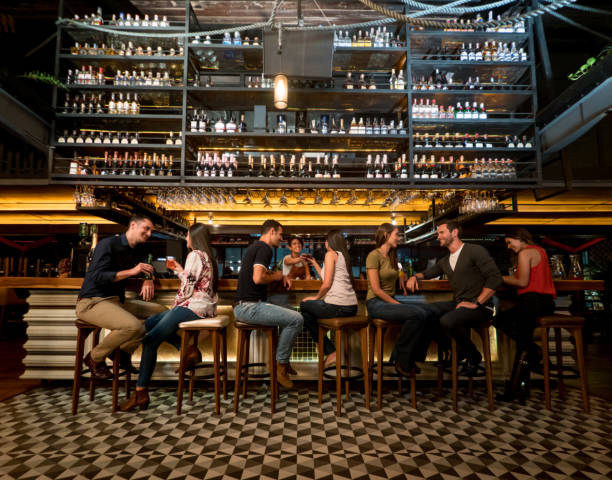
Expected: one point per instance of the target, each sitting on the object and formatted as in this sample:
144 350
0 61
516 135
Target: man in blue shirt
102 299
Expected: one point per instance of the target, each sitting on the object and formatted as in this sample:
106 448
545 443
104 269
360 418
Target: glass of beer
170 263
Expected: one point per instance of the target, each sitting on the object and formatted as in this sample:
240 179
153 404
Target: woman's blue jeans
160 328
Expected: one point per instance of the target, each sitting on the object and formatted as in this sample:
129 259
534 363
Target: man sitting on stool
473 277
102 300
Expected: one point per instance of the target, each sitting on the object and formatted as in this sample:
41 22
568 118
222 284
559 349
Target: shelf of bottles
442 107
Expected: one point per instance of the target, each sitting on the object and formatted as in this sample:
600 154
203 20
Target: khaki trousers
125 322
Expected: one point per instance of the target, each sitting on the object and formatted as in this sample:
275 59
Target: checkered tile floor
41 440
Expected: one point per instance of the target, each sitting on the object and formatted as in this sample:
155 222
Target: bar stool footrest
357 376
393 375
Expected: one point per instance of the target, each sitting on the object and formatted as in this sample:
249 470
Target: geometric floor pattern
40 439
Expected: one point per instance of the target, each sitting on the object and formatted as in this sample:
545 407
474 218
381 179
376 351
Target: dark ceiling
27 25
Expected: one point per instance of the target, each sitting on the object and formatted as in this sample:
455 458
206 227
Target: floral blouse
196 291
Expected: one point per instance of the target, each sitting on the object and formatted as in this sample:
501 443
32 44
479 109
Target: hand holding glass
170 263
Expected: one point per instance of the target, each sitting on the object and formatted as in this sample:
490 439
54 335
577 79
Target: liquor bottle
368 127
404 172
383 127
300 122
518 142
443 169
194 121
335 167
348 82
392 80
219 126
400 84
326 169
509 143
293 169
242 126
415 164
526 143
369 171
378 172
385 168
361 83
230 127
313 126
433 168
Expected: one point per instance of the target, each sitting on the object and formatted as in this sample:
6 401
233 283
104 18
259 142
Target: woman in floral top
196 298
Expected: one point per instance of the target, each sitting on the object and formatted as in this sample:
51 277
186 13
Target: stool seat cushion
357 321
252 326
220 321
379 322
560 321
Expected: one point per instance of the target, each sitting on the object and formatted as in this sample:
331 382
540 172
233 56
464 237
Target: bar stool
244 331
378 329
189 331
377 339
83 331
574 326
343 325
483 331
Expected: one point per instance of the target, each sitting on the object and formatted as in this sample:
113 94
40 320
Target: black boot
516 386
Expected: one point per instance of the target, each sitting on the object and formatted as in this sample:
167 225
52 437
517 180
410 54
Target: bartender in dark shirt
473 277
102 299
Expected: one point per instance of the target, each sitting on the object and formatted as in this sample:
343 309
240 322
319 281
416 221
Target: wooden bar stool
344 325
378 329
189 331
244 331
483 331
574 326
83 331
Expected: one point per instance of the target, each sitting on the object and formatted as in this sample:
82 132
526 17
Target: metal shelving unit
511 108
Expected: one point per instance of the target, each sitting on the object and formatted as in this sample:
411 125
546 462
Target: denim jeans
411 344
160 328
315 309
264 313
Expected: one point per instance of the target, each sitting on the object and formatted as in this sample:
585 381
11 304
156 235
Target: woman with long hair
383 272
336 297
536 293
196 298
295 264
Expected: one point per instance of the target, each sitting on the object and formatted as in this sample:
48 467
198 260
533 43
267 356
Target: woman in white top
295 265
336 297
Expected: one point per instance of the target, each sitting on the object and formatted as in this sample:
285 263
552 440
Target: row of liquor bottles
396 81
201 123
439 168
469 141
128 164
90 76
107 137
488 52
446 80
124 20
123 49
227 39
118 104
374 38
474 25
423 108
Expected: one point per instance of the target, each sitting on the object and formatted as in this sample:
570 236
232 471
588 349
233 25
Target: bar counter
52 335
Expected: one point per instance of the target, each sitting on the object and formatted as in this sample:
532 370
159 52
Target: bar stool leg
454 370
272 363
364 360
582 368
484 335
247 355
274 370
116 379
239 357
440 371
339 373
559 355
92 383
193 341
215 342
413 389
546 367
320 363
181 373
78 367
224 360
347 358
380 333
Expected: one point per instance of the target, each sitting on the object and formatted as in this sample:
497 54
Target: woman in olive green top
383 273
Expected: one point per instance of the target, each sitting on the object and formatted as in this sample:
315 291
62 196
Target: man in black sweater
473 277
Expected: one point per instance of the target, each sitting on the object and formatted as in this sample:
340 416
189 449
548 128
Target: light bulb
281 92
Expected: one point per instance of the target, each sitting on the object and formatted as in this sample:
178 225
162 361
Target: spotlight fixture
266 200
393 219
210 218
334 200
300 198
318 199
283 200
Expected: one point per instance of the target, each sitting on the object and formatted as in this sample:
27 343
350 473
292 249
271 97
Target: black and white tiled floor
40 439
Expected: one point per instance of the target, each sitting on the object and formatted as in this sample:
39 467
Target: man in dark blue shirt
102 300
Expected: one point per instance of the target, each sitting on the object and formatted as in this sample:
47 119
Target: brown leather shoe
99 371
282 375
140 398
290 370
192 358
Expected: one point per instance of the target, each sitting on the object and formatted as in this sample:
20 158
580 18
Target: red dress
540 278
